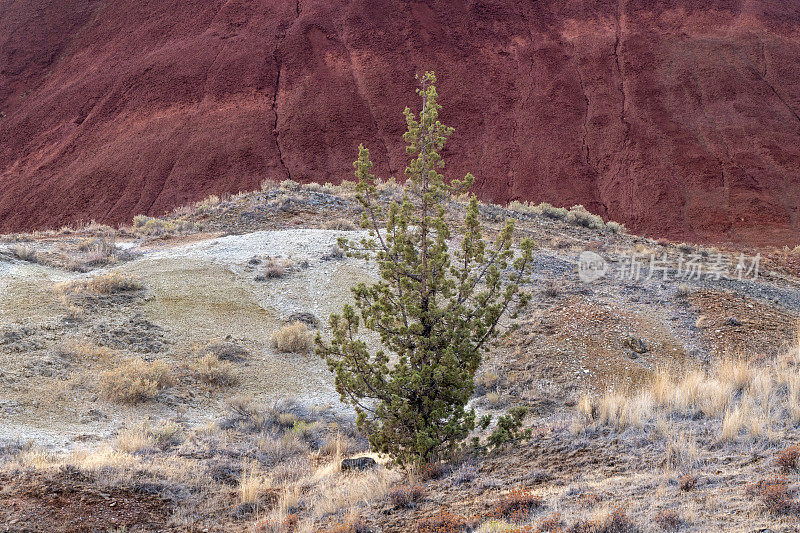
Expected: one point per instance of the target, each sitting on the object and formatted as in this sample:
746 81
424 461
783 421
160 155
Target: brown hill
678 118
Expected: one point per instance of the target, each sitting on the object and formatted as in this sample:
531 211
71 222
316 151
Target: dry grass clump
616 521
95 252
213 371
145 437
273 268
207 203
293 338
401 497
135 380
158 226
669 520
252 487
755 400
101 285
86 352
340 224
25 253
517 505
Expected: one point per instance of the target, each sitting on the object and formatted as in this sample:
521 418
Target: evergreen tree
435 311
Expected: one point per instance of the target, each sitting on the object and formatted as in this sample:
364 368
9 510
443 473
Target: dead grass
101 285
211 370
293 338
273 269
252 486
135 380
340 224
745 399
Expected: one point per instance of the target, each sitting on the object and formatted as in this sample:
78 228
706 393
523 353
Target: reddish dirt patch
738 326
70 501
677 118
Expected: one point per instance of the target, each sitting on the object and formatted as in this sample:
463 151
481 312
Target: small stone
358 463
636 344
732 321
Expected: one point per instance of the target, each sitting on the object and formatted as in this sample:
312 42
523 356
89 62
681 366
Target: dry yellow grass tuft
102 285
293 338
135 380
213 371
252 486
746 400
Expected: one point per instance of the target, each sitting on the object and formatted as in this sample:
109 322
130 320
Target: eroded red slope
678 118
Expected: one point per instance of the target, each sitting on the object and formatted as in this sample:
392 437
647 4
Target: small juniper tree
435 311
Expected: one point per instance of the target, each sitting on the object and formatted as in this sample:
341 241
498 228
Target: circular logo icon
591 267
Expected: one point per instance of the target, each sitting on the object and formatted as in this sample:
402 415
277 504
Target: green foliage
434 310
509 429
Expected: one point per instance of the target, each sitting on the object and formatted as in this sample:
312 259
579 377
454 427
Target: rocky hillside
678 118
160 377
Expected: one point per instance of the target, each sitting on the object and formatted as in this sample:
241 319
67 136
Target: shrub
135 381
401 497
210 369
140 220
340 224
290 185
432 471
615 227
335 253
669 520
579 216
552 523
273 268
517 505
787 459
616 521
104 285
25 253
774 494
556 213
509 428
443 522
292 338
